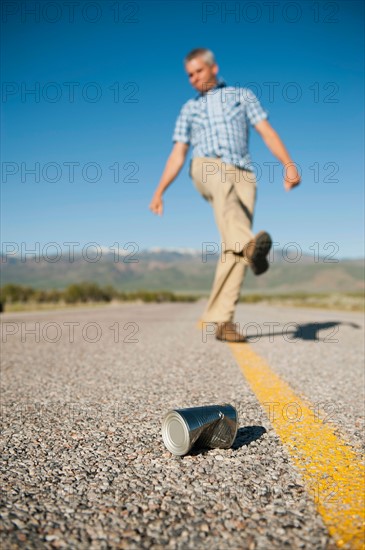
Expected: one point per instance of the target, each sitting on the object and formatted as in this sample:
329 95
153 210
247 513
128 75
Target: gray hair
204 53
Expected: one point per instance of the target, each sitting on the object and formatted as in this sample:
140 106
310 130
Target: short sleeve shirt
217 123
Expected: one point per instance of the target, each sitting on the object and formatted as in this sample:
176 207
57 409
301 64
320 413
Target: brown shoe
227 332
256 252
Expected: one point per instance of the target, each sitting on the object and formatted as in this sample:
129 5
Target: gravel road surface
83 396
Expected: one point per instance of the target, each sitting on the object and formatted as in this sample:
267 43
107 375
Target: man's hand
292 177
173 166
157 204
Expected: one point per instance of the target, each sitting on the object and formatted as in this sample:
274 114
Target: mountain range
183 271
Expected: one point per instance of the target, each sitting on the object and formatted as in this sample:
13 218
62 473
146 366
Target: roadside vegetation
17 297
349 301
22 298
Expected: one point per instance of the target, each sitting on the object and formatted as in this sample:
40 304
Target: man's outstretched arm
173 166
278 149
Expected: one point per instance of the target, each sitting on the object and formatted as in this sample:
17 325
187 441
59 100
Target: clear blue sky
312 50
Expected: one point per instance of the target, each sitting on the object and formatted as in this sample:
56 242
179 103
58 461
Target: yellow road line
331 470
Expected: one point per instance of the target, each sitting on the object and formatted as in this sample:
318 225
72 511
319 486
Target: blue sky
303 59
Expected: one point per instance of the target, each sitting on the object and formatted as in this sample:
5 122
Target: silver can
212 426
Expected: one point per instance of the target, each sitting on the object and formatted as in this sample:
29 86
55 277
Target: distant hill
182 271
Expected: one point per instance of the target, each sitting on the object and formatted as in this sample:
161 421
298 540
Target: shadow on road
247 435
308 331
244 436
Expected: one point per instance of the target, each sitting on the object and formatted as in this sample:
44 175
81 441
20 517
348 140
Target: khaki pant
232 193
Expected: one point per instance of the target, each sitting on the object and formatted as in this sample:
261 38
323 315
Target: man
215 123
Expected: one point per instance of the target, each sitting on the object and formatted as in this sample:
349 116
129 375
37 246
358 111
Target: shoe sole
232 341
263 244
259 263
233 338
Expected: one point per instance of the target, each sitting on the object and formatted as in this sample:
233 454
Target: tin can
212 426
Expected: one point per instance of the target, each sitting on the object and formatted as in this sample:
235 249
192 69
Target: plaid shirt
216 123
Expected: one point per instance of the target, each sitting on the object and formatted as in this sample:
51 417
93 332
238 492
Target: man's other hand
157 205
292 177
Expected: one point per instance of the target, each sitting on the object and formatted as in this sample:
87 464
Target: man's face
202 76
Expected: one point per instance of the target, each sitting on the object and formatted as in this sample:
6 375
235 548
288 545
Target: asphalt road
83 396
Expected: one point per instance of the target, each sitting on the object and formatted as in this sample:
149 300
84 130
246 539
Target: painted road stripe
331 470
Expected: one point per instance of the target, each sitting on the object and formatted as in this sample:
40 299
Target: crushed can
211 426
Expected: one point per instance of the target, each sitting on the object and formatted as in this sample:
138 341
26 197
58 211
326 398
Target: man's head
202 69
